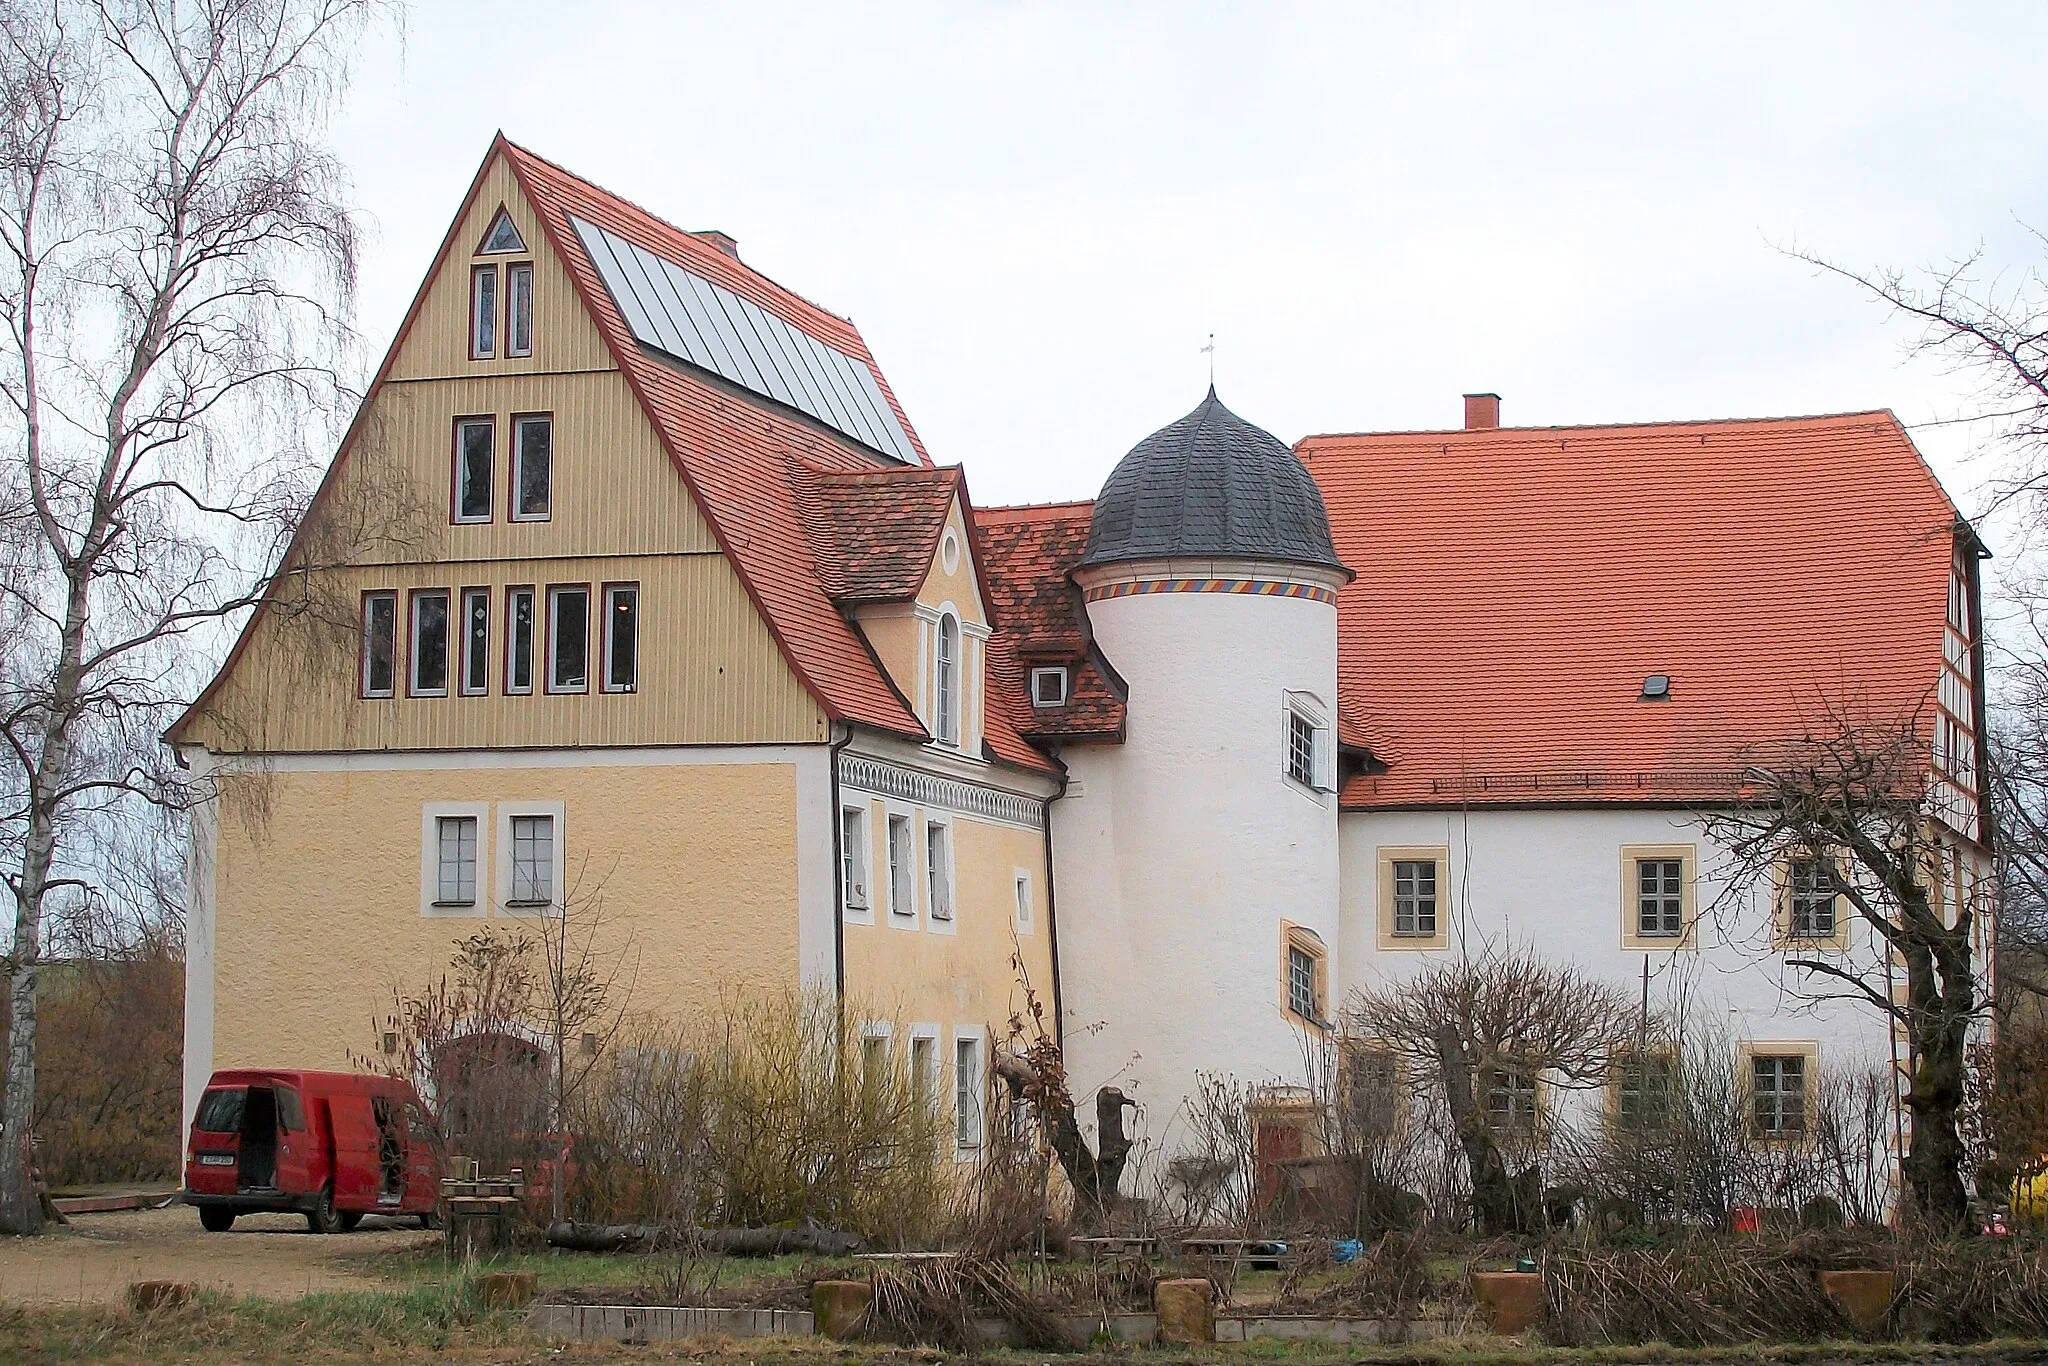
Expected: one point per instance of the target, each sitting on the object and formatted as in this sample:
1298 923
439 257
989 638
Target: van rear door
297 1149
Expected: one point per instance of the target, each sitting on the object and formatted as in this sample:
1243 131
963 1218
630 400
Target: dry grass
936 1302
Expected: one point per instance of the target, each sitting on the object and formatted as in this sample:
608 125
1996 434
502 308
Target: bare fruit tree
1852 799
177 262
1487 1034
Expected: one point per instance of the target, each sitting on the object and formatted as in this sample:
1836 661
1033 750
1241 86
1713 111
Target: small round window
949 552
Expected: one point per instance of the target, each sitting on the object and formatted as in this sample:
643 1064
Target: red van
332 1146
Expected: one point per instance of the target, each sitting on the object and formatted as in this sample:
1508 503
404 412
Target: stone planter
840 1308
1864 1297
1512 1301
1186 1309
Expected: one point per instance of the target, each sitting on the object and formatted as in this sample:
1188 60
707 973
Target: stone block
1512 1301
1186 1309
507 1289
840 1308
1864 1297
146 1296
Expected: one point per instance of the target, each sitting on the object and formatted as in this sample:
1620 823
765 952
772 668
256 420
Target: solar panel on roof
684 315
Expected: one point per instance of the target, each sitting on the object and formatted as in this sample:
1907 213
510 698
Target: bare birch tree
177 263
1852 799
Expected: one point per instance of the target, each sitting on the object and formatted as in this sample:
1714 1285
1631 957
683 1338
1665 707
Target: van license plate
216 1159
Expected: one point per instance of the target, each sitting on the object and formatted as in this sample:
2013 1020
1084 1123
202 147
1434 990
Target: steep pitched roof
755 472
1516 586
1027 553
873 532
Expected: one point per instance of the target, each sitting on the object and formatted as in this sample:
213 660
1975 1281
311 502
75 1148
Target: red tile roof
754 471
1515 587
873 532
1026 552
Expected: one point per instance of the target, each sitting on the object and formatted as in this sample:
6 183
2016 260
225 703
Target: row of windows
911 867
455 861
529 494
1658 908
1642 1093
968 1077
485 312
441 645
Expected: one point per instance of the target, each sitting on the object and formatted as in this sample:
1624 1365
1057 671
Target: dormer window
1049 687
946 682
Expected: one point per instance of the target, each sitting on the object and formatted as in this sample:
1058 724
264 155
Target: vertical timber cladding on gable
710 671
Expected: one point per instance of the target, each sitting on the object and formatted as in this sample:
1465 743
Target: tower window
1310 756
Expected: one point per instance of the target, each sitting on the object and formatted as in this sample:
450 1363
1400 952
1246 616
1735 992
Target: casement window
519 640
1303 973
568 638
1369 1090
1301 982
429 643
455 851
938 862
1415 898
533 861
533 461
380 644
924 1070
1511 1100
946 683
966 1095
1660 898
621 637
853 861
476 641
874 1059
902 890
1049 687
519 309
475 454
1024 916
1777 1095
1810 899
1643 1084
1311 758
483 312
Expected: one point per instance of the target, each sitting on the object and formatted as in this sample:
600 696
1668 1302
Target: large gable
1517 586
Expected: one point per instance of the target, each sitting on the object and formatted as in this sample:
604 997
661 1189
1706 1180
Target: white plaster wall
1188 847
1552 880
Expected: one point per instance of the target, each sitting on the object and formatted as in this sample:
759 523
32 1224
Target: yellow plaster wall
963 979
318 906
958 587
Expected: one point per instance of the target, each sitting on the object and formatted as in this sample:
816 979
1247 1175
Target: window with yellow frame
1304 976
1414 897
1810 911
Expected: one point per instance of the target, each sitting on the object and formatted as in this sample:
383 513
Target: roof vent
729 245
1657 688
1481 411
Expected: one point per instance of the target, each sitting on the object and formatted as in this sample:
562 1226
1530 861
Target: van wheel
349 1219
216 1218
322 1218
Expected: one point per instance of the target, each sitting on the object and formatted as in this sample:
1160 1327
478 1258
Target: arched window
946 695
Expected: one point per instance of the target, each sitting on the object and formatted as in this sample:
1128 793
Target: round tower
1198 865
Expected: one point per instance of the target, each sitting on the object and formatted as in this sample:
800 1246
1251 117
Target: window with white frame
483 312
533 856
455 858
902 890
621 637
938 859
380 644
1660 898
1810 893
519 309
1415 898
568 638
1777 1095
1049 687
475 443
502 237
429 643
1310 756
853 859
1023 880
476 641
966 1095
1511 1100
874 1059
533 467
924 1072
946 685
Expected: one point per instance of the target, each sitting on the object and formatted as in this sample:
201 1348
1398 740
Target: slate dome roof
1210 485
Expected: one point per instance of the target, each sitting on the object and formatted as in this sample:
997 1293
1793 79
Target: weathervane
1210 352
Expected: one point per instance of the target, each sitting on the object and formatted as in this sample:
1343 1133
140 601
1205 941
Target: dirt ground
264 1254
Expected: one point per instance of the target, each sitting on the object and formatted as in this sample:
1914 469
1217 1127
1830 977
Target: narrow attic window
483 312
503 237
1049 687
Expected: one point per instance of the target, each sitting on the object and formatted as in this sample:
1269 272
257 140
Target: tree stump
507 1289
839 1309
1186 1310
146 1297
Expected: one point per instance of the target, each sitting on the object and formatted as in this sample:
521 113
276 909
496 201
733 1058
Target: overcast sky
1036 214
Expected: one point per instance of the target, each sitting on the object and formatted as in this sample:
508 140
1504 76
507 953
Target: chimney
1481 411
729 245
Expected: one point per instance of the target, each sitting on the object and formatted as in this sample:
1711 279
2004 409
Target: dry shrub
1391 1280
109 1069
1115 1286
1691 1294
1963 1290
936 1302
760 1111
